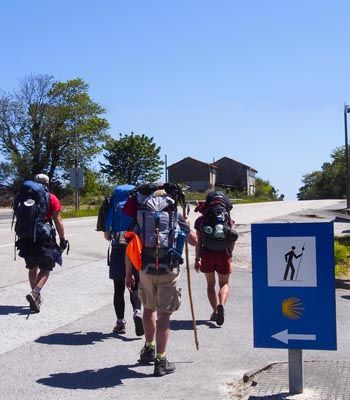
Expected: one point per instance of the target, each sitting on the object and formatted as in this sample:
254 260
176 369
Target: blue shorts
117 263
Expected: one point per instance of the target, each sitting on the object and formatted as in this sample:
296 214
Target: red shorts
216 261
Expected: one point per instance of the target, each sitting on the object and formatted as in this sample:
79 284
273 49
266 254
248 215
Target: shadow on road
93 379
19 310
74 338
279 396
181 325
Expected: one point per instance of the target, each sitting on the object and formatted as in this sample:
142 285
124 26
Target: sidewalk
326 380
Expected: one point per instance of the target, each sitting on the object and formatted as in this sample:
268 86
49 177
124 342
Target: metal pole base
296 371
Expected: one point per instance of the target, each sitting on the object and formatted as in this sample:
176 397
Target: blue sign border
319 314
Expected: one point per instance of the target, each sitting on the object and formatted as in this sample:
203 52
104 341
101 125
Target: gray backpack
158 228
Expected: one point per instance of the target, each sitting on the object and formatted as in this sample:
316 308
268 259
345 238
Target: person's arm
58 224
129 277
191 236
197 262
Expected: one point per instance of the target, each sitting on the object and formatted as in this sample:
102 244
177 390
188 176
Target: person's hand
63 244
197 264
130 282
107 235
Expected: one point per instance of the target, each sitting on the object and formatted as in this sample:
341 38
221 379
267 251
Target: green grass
89 212
342 256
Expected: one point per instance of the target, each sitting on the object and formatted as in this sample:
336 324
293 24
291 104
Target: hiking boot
220 318
34 302
119 328
213 317
163 367
138 323
147 354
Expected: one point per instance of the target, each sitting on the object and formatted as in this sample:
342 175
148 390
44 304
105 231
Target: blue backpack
30 207
116 220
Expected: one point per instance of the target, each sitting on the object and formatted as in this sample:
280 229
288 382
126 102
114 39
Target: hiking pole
190 289
302 252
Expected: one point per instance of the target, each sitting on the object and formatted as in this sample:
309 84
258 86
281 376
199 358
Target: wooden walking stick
190 289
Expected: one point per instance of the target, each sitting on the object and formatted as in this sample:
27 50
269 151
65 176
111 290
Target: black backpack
30 207
217 231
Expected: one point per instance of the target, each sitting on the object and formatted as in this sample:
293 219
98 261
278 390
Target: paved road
68 351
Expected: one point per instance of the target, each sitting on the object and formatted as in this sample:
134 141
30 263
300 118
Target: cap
42 178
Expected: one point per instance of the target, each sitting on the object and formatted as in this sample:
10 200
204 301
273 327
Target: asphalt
68 350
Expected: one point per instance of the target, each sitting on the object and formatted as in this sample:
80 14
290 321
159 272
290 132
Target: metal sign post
294 290
77 183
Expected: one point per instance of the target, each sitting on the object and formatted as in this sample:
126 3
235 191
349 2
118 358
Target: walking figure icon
290 266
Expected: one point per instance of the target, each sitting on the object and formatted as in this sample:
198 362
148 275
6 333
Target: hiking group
147 235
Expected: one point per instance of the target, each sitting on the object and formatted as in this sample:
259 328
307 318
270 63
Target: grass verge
342 256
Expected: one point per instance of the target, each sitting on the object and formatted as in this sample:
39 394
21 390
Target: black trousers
118 298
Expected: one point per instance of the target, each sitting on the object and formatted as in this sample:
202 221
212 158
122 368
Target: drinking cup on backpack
180 241
208 230
219 231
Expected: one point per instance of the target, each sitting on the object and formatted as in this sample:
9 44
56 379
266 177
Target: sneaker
213 317
220 318
34 302
138 323
119 328
163 367
148 354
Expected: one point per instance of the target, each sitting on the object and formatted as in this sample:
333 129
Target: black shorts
45 263
39 254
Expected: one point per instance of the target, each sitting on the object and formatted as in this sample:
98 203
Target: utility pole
347 174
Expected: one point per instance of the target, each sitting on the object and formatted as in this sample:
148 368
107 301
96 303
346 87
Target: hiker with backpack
114 222
162 232
216 238
37 214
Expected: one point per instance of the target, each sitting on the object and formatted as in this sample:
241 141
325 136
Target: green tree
263 188
327 183
94 184
132 159
43 123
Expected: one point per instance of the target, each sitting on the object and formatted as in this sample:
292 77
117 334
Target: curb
251 373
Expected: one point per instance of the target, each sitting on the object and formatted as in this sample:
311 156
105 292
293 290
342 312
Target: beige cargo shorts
160 292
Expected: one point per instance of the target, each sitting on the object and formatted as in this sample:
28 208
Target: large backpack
157 225
30 207
217 229
115 219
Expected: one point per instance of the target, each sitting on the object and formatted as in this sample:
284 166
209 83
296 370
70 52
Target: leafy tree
94 184
132 159
327 183
43 123
264 188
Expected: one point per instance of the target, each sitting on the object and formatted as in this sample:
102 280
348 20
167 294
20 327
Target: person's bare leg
224 288
149 324
33 277
42 278
212 296
163 331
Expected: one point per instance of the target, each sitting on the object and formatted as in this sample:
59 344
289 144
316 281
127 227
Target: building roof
193 159
231 159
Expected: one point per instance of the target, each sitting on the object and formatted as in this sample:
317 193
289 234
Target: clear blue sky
263 82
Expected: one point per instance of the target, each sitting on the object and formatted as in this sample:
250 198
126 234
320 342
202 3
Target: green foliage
132 159
94 184
329 183
44 122
341 256
264 189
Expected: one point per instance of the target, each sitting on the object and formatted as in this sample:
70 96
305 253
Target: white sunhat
42 178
